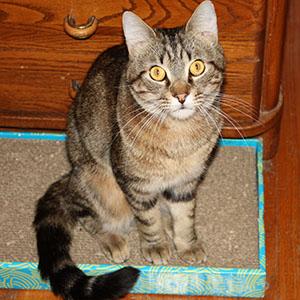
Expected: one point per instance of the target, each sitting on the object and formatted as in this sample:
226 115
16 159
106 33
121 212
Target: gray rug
226 213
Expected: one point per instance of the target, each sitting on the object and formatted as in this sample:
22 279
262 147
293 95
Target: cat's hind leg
111 213
113 245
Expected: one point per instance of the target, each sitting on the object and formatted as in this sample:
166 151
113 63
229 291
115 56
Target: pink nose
181 98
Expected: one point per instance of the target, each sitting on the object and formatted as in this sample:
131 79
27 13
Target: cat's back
109 63
103 77
92 117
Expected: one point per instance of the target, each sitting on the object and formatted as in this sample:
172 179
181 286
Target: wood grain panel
38 60
288 165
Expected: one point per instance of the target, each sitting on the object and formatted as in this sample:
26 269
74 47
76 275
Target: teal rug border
183 272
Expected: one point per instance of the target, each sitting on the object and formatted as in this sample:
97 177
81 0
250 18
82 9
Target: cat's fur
134 145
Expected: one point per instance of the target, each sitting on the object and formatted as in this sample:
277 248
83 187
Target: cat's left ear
204 21
137 33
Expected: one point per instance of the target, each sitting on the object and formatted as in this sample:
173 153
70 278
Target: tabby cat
140 132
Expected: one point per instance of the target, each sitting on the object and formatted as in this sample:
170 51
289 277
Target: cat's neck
143 130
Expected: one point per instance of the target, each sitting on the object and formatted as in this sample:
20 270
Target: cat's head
175 71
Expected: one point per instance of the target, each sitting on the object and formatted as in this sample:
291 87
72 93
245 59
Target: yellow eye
197 67
157 73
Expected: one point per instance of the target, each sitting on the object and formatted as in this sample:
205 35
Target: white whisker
147 121
232 122
242 112
206 114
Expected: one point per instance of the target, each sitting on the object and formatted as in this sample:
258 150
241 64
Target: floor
282 182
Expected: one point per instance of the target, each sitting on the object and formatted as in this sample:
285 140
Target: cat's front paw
157 254
193 254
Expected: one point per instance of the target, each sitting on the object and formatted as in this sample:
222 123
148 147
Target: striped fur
132 146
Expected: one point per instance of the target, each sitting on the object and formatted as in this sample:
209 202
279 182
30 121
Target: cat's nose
181 98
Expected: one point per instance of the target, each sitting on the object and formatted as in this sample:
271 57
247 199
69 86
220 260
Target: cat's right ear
137 33
203 22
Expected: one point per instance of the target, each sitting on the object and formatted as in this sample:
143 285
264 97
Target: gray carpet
226 213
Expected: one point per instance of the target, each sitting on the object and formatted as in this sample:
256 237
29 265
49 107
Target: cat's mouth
182 112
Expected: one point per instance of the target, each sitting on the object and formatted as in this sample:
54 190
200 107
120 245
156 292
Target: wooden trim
29 122
266 122
274 41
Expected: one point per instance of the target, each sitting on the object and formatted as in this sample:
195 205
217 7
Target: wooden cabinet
38 59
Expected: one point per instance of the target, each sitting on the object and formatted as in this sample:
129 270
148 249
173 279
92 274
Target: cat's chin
182 114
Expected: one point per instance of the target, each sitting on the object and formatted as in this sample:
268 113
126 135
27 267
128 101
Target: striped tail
55 219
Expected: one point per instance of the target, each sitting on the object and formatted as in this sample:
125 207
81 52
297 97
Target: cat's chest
173 171
163 168
172 155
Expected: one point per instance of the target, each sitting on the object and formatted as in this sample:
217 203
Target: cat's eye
157 73
197 67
